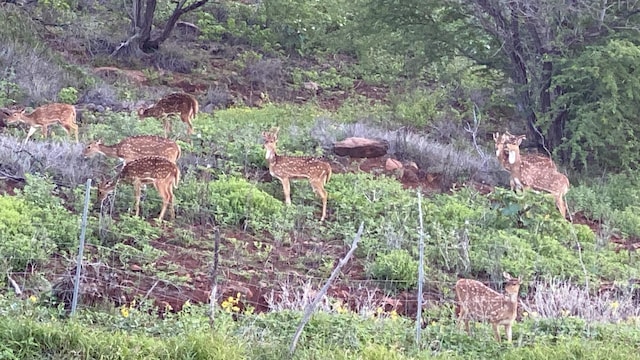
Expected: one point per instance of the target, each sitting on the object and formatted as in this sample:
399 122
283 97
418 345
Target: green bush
21 241
396 266
235 201
49 213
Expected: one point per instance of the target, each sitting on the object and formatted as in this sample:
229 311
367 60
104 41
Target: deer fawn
478 302
135 147
286 168
532 170
156 170
45 115
181 104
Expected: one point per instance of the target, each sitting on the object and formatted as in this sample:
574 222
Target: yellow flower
525 314
379 310
614 305
33 298
393 314
124 311
434 323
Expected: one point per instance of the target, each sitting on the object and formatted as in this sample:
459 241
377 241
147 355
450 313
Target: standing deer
45 115
531 171
184 105
478 302
156 170
285 168
135 147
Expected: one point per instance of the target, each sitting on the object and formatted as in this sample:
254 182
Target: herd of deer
152 159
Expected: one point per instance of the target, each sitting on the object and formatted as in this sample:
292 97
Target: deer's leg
73 129
286 188
561 206
187 121
496 331
136 188
161 187
507 329
318 188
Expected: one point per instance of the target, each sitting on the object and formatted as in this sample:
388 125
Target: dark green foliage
600 95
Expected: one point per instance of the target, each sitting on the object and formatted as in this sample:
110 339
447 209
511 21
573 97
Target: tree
522 38
142 16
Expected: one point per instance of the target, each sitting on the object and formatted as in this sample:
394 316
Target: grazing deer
286 168
156 170
478 302
135 147
181 104
531 171
45 115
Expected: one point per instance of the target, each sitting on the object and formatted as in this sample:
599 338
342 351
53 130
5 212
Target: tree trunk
140 40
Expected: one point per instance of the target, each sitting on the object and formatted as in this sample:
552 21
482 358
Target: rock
392 164
357 147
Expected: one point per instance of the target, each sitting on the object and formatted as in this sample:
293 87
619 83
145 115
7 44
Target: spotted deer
184 105
531 171
478 302
44 116
156 170
135 147
285 168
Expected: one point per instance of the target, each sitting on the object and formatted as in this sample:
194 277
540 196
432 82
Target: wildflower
393 314
434 323
33 298
525 314
379 310
614 305
124 311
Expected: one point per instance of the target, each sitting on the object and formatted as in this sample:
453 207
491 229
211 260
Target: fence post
83 230
420 271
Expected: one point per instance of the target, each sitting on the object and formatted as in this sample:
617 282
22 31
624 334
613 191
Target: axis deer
531 171
45 115
184 105
156 170
285 168
478 302
135 147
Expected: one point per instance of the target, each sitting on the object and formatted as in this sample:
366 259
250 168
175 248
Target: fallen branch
15 285
311 307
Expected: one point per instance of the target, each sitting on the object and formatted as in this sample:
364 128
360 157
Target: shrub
21 243
396 266
56 223
233 201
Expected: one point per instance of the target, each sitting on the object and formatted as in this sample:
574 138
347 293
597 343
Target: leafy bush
49 215
397 266
601 88
21 242
234 201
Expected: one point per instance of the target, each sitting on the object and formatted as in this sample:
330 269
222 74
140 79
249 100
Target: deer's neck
109 150
515 163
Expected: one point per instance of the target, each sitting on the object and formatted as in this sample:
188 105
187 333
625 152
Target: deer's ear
519 139
507 275
496 136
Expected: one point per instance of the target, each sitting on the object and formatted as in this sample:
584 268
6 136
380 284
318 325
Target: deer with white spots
285 168
478 302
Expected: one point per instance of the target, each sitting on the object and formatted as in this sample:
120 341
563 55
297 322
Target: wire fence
170 274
